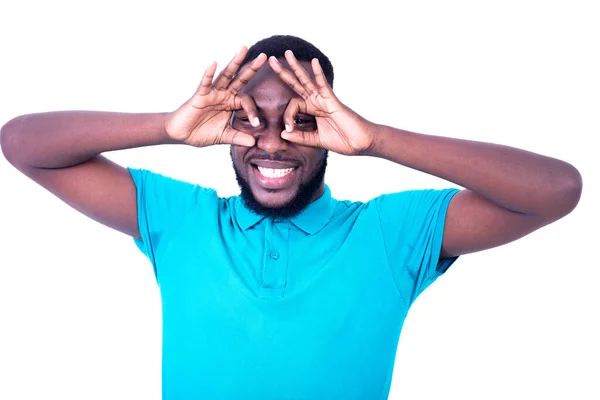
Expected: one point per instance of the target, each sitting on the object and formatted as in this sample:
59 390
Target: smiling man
284 292
276 177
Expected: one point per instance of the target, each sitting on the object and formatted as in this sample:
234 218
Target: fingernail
288 128
255 121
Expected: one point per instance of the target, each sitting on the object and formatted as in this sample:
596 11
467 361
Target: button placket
274 271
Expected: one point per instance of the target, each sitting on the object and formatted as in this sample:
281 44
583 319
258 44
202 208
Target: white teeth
274 172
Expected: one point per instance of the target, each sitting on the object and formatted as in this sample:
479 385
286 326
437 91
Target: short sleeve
162 204
412 224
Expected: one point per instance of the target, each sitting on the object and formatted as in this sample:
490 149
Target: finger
288 77
320 78
239 138
303 76
302 138
207 78
247 73
226 76
246 103
295 106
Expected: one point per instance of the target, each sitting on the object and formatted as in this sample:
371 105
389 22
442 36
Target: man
285 292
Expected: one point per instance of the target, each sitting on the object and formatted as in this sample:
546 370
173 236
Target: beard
306 193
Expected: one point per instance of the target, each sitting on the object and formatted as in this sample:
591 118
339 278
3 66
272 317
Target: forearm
66 138
515 179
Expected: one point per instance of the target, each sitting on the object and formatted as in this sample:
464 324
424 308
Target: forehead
266 85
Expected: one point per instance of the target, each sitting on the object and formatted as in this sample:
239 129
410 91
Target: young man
284 292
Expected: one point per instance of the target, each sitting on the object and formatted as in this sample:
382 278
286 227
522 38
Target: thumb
239 138
302 138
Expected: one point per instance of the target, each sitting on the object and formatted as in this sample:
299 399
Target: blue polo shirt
305 308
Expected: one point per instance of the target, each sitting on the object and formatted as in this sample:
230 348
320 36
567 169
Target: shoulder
153 183
397 213
166 201
412 201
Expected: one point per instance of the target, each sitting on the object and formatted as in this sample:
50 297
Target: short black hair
276 46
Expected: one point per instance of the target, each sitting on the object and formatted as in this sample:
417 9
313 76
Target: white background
79 307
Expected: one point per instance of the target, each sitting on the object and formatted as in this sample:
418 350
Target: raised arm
509 192
62 150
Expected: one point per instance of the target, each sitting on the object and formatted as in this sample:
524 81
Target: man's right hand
62 151
204 119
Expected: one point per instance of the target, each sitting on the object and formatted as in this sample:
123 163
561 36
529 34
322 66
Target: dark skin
62 151
272 97
508 192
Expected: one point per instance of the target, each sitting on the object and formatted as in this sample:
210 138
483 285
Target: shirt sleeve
412 224
162 204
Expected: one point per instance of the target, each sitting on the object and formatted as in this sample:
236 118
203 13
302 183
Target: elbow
566 191
9 135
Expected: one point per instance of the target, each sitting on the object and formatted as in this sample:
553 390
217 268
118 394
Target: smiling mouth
274 172
274 177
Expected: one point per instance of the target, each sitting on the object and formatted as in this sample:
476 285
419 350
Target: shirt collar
310 220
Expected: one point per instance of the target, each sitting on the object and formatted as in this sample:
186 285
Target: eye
303 120
241 118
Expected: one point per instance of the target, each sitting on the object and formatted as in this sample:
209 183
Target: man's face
277 177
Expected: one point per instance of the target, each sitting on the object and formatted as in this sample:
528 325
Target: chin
284 203
274 199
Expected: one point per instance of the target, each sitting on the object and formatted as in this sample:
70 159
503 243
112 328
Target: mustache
270 157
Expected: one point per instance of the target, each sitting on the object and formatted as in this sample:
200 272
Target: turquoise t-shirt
305 308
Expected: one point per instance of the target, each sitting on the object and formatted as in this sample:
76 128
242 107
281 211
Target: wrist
169 130
373 132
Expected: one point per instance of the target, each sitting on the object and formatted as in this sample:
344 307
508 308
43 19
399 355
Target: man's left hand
339 128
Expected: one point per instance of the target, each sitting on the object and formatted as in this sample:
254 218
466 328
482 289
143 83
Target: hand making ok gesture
339 128
204 119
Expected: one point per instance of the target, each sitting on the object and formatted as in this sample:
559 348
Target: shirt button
274 255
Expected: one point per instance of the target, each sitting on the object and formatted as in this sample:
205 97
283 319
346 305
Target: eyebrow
280 107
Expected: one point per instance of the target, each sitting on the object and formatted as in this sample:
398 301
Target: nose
269 137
